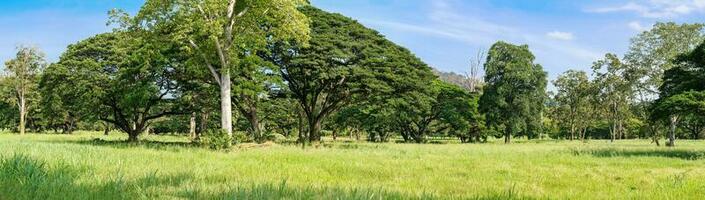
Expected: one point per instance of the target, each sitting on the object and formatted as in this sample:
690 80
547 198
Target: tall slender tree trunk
507 135
613 131
572 131
226 118
23 114
672 131
192 125
203 125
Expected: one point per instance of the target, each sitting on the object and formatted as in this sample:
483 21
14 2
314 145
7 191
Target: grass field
91 166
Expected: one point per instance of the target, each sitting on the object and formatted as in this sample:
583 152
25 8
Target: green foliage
222 41
218 139
650 54
683 94
514 95
9 114
20 80
346 63
121 77
458 112
277 138
686 103
687 75
613 91
573 109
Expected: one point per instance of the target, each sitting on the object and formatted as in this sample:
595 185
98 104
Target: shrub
240 137
217 139
276 138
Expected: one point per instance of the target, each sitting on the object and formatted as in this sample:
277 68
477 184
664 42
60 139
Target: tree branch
214 73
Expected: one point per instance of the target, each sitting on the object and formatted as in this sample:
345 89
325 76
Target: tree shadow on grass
284 191
149 144
667 153
22 177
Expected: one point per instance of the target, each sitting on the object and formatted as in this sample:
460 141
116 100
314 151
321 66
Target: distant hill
457 79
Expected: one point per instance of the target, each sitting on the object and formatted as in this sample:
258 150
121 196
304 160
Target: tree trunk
672 131
226 117
572 132
418 138
507 135
405 136
23 114
357 134
314 130
335 134
132 136
107 128
613 131
204 124
255 127
192 125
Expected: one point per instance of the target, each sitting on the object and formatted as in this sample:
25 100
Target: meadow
89 165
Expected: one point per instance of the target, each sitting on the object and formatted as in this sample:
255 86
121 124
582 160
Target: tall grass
92 166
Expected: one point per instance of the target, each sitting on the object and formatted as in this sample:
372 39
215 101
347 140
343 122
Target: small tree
573 99
23 73
614 91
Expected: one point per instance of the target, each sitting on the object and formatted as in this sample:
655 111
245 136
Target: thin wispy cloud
476 31
558 35
656 8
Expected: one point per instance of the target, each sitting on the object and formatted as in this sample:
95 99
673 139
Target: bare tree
476 64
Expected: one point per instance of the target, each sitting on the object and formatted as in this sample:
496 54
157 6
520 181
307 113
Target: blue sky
445 33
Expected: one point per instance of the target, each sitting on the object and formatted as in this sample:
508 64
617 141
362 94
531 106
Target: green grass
91 166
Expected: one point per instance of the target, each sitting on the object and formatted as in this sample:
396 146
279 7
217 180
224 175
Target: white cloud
560 35
635 25
444 23
657 8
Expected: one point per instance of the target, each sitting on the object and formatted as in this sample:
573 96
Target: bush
276 138
240 137
216 139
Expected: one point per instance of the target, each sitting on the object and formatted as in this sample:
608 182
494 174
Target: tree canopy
513 97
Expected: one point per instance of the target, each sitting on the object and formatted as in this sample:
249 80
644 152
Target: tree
650 54
458 112
614 91
344 63
223 36
573 101
23 72
8 113
122 76
513 97
683 91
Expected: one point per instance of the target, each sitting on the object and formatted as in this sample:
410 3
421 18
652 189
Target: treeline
654 91
263 70
249 70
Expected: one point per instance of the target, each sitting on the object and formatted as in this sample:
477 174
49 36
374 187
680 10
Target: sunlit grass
92 166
